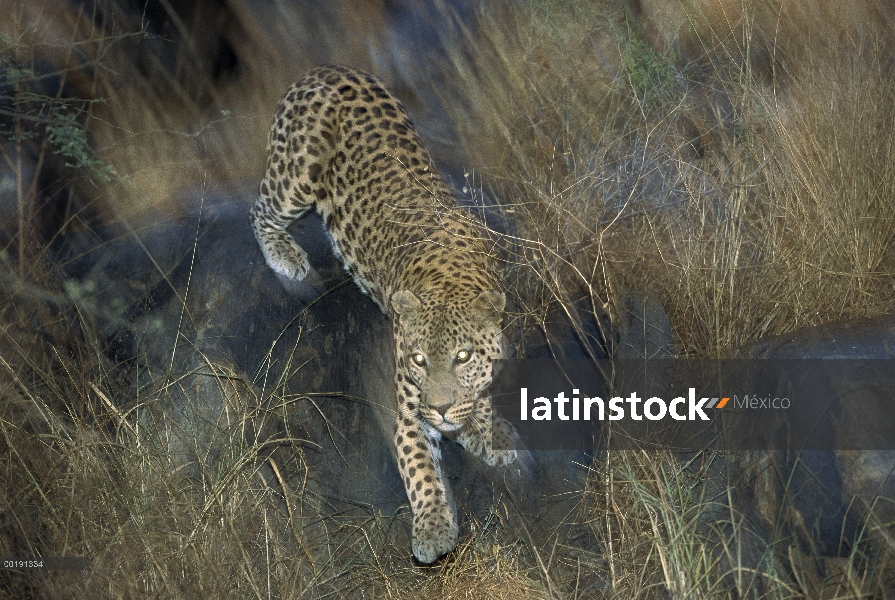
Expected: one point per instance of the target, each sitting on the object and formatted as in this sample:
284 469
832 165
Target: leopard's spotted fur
342 144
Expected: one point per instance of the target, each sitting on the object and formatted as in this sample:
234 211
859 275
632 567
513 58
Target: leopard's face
449 354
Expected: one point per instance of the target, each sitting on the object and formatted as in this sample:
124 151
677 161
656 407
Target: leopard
343 145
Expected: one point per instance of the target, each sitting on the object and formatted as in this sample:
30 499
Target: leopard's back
343 141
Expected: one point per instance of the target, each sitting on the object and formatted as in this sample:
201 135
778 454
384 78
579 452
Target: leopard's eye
463 356
419 359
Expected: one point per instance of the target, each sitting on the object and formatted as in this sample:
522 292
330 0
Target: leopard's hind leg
294 183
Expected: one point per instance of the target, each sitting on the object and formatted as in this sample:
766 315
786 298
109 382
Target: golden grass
751 208
777 37
627 154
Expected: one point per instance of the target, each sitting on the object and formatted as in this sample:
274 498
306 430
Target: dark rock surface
861 338
825 498
644 330
191 307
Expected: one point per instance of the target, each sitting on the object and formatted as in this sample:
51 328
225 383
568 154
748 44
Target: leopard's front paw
480 442
498 445
435 533
500 458
472 440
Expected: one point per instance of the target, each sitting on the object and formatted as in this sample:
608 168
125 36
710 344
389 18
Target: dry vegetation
755 199
734 158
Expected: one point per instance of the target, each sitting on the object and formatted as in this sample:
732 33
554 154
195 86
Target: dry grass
752 208
163 508
755 195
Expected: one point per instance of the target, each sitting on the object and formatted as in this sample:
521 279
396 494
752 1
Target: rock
644 329
224 351
824 498
860 338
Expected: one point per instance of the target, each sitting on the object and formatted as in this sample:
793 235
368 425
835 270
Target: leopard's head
448 352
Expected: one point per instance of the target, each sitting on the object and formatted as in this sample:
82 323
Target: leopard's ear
489 305
406 303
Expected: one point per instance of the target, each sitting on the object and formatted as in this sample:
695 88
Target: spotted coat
343 145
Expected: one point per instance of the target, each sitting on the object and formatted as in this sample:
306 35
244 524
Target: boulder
830 501
231 360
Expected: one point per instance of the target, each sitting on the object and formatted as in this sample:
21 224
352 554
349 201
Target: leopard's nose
441 408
